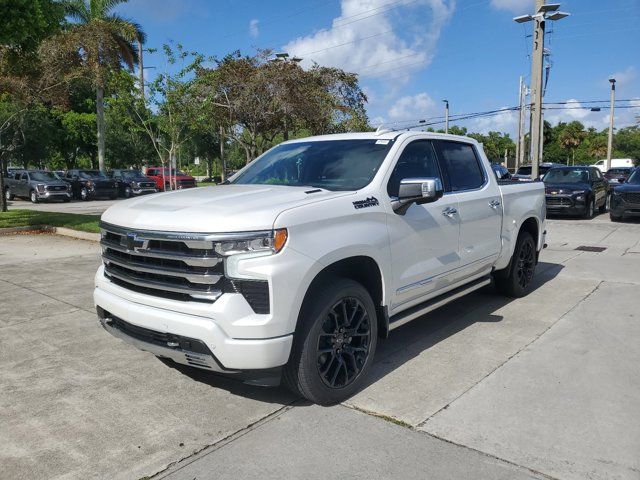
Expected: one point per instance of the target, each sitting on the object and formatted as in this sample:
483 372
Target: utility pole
611 111
536 90
543 13
446 116
520 142
141 68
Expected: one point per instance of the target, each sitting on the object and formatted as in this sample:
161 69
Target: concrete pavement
544 386
91 207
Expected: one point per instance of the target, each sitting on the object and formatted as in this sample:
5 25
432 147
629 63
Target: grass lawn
22 218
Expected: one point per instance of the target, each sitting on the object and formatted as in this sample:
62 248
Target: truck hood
224 208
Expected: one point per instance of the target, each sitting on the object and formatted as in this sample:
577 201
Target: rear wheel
33 196
334 345
516 280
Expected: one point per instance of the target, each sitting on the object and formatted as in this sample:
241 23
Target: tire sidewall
128 192
84 194
7 195
305 354
33 196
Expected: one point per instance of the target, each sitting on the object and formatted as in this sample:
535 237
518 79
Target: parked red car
618 174
161 176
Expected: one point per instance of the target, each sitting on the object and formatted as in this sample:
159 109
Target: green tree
571 138
97 43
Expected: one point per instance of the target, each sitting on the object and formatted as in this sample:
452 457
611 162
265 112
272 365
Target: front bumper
228 354
622 208
142 191
53 195
565 204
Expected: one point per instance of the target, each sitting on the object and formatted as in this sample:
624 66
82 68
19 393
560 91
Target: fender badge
368 202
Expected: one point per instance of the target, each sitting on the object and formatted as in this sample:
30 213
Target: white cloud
254 31
374 39
413 107
624 77
515 6
506 121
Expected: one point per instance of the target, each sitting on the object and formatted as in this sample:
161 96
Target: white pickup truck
307 256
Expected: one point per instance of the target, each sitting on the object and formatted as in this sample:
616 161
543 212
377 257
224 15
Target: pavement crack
208 449
535 339
33 290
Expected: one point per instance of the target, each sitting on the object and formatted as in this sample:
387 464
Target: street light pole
611 111
446 116
536 90
543 13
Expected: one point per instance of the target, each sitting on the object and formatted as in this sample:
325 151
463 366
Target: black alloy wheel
515 280
591 209
343 343
526 264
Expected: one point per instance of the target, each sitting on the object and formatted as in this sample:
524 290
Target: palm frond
77 10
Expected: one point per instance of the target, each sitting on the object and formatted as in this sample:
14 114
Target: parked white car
312 253
615 163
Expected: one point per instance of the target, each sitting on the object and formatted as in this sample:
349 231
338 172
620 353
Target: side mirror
417 190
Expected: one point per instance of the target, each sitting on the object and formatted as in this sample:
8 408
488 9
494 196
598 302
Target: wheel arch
362 269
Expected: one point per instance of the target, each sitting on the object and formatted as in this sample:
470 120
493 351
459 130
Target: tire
128 192
8 195
84 194
66 200
605 206
515 281
33 196
590 210
331 352
614 218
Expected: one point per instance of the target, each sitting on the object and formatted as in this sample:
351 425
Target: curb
66 232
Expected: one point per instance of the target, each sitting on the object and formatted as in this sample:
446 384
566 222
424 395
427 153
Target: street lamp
612 81
543 13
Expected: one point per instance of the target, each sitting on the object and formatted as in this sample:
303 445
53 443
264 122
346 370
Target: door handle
449 212
494 204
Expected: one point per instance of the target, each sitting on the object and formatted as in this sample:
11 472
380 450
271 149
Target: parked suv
132 182
576 191
625 199
313 252
162 177
36 185
90 184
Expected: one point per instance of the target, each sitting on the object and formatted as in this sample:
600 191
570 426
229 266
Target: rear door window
461 165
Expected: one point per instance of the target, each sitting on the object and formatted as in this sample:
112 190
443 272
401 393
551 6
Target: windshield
332 164
42 176
619 171
634 179
133 175
91 174
524 171
566 175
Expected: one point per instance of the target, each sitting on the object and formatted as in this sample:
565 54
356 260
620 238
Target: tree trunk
223 161
100 122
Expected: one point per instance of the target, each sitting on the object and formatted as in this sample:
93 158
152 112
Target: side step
437 302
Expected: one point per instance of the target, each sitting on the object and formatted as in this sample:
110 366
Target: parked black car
625 199
36 185
576 191
132 182
89 184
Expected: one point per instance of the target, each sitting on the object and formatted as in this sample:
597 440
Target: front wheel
8 195
33 196
516 280
334 344
84 194
128 192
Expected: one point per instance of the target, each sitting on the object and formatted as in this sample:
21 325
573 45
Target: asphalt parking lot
547 386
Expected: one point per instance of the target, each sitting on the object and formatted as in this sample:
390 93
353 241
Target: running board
437 302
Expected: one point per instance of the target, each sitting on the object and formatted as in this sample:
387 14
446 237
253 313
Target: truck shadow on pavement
403 344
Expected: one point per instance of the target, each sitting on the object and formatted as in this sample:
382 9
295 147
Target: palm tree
104 42
571 137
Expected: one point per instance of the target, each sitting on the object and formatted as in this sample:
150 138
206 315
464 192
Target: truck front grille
174 265
631 197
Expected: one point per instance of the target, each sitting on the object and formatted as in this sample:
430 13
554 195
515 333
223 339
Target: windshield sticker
382 142
368 202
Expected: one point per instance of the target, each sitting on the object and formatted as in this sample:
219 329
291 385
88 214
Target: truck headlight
253 243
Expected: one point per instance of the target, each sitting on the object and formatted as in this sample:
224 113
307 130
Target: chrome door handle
449 212
494 204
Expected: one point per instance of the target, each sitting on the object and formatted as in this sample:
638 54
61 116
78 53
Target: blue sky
411 54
